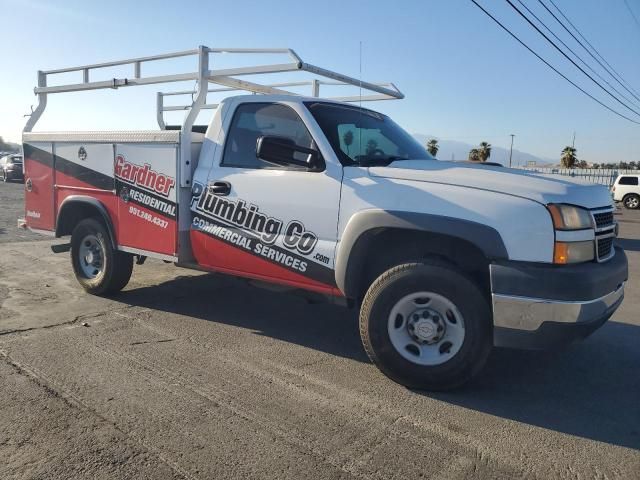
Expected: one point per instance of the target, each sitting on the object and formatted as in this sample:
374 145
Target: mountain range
452 149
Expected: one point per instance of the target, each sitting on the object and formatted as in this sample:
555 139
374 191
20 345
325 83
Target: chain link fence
602 176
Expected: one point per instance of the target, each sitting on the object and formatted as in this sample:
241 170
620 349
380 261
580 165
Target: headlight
568 217
573 252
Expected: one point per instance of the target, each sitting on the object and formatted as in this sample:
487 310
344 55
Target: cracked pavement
191 375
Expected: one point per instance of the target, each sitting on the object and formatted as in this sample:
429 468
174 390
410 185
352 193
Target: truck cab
444 260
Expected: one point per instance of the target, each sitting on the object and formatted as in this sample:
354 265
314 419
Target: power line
632 14
618 78
551 66
594 71
570 59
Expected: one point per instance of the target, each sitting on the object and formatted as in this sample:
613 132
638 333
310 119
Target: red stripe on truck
220 256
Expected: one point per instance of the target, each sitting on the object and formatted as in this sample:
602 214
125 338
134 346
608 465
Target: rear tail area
127 180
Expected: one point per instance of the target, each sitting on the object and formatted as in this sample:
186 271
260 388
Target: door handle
219 188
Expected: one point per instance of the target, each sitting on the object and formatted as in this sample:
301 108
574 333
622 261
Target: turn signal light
561 253
573 252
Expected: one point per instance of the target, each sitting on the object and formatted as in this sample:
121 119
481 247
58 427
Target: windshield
364 137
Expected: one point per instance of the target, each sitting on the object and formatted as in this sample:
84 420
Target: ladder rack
203 76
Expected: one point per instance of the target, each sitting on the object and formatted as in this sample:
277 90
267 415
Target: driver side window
253 120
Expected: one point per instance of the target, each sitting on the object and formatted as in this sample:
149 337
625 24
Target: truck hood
538 187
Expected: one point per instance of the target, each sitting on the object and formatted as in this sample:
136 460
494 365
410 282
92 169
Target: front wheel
426 325
632 201
99 268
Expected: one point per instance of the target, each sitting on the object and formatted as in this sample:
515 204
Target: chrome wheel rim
426 328
91 256
633 202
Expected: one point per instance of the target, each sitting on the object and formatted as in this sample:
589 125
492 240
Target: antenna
360 107
360 79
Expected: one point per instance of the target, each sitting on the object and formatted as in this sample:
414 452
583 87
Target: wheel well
71 213
378 250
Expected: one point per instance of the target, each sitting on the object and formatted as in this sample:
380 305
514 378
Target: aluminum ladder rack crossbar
204 76
314 92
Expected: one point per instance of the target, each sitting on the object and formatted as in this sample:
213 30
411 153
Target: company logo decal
82 154
144 186
143 176
244 226
249 217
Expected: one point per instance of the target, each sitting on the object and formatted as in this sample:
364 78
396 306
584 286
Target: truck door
262 220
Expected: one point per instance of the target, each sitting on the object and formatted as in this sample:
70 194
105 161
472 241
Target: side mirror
281 151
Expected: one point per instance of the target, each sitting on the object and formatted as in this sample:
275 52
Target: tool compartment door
39 179
146 190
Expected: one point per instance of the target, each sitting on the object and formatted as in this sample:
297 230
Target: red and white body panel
132 174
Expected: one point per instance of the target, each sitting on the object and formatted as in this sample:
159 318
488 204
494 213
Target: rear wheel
98 267
426 325
632 201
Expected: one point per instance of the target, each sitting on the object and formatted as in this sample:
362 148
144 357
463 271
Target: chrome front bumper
541 305
523 313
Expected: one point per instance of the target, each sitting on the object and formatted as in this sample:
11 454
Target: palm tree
484 151
433 147
474 155
348 139
372 146
569 157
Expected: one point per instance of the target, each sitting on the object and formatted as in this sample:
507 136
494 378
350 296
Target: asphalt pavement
200 376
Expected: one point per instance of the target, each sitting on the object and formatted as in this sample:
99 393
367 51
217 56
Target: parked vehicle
443 259
11 168
626 189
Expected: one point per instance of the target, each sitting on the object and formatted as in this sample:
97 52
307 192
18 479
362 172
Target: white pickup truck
444 260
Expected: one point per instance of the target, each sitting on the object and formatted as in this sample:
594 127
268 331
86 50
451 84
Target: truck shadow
590 389
232 301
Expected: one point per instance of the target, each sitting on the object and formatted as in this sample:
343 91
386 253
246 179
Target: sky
463 77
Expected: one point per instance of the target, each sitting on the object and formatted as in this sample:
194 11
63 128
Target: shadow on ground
590 389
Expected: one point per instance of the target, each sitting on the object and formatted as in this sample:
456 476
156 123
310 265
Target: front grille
604 246
603 219
605 232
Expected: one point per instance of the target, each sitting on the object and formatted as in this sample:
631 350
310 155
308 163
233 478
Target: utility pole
573 142
511 151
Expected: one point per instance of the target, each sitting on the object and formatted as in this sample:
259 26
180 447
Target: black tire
631 201
116 266
441 279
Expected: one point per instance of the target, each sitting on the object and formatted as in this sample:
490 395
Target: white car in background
626 189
